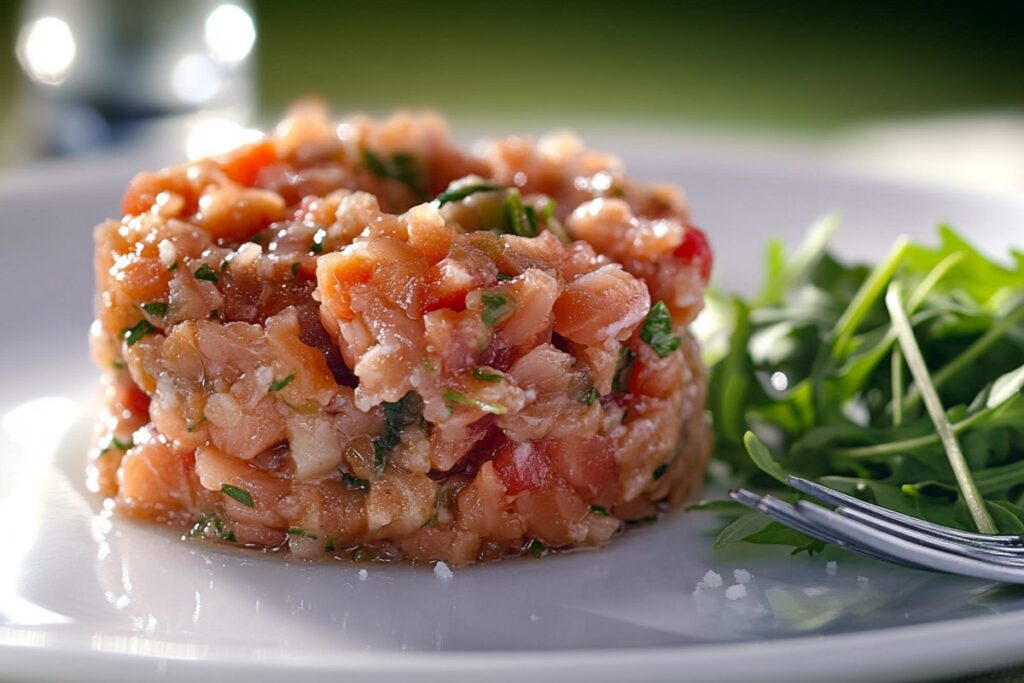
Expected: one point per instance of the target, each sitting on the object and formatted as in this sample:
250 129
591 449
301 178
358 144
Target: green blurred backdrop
784 65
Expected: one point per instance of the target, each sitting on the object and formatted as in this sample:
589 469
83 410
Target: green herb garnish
504 278
193 427
815 383
296 531
536 548
657 331
402 167
659 472
173 267
354 482
455 398
599 510
620 381
114 442
137 332
317 245
497 307
517 222
397 416
486 376
211 525
280 384
157 308
205 272
454 194
241 495
591 396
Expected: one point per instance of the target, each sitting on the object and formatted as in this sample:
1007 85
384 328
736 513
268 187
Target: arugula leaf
820 379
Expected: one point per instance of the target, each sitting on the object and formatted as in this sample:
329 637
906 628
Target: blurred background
921 89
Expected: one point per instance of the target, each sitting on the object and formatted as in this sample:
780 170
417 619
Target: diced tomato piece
523 466
245 163
696 250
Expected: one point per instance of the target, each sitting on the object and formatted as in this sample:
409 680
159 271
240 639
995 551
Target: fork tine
838 499
883 542
786 514
1008 554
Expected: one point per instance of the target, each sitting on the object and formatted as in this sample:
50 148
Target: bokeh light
46 50
230 34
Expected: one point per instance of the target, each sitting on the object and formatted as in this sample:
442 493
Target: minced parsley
657 331
659 471
455 398
296 531
137 332
157 308
317 245
241 495
536 548
205 272
281 384
460 193
497 307
620 382
481 373
599 510
354 482
591 396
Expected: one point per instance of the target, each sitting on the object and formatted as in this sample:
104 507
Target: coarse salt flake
442 571
736 592
741 575
831 568
363 574
712 579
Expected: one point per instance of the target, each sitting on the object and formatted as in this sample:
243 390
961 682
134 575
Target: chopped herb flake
599 510
657 331
620 382
140 330
158 308
659 471
536 548
516 219
295 268
504 278
317 245
453 398
205 272
460 193
281 384
173 267
496 308
241 495
401 167
397 416
591 396
117 364
226 263
354 482
486 376
296 531
212 525
114 442
193 427
329 546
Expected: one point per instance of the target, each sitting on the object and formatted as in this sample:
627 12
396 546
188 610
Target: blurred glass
102 71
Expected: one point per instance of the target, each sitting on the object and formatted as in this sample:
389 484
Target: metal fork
891 536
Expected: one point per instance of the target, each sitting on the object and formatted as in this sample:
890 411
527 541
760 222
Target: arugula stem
969 355
896 371
870 291
904 445
919 371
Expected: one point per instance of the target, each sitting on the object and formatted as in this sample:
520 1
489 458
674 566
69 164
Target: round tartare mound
357 340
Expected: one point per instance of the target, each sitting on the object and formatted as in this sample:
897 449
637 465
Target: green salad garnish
898 383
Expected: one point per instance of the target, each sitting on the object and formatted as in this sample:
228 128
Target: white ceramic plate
86 598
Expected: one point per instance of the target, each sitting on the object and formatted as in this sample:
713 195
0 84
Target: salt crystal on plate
363 574
741 575
736 592
831 568
711 580
442 571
